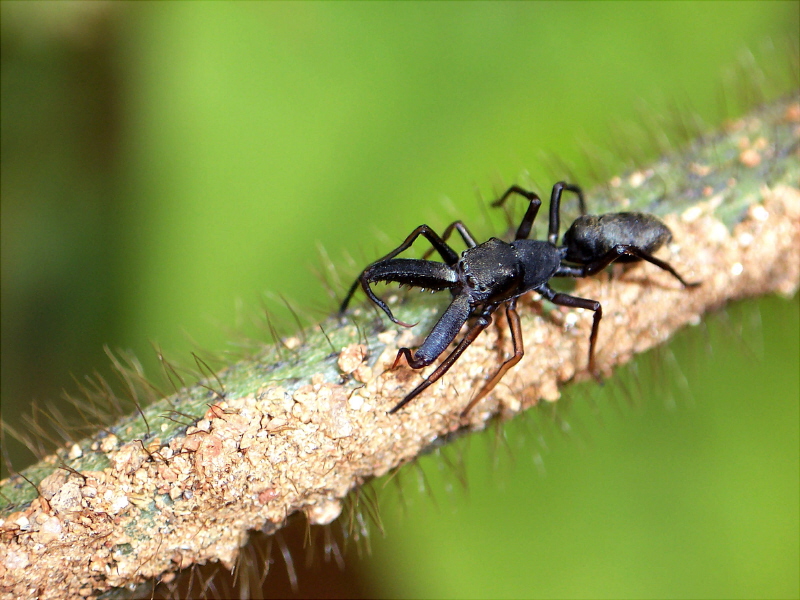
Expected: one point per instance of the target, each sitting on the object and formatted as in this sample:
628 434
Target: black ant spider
494 273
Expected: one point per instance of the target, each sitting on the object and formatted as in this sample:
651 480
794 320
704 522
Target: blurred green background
166 165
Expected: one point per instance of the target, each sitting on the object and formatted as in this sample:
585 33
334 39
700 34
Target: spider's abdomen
489 269
591 236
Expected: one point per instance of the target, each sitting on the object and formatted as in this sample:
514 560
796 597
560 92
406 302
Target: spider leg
466 235
449 256
555 208
350 292
446 252
481 322
519 351
616 252
524 229
574 302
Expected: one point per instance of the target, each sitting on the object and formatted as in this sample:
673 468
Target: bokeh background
168 168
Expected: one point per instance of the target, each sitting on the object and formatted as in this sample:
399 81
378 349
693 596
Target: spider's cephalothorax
494 273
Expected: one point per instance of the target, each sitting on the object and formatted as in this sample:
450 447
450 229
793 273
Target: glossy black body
495 273
591 236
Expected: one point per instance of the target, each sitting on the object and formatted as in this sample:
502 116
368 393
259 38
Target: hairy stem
297 428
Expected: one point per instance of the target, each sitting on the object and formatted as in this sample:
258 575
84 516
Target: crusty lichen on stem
273 437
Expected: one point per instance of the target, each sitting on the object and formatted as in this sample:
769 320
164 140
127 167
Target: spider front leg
459 226
440 337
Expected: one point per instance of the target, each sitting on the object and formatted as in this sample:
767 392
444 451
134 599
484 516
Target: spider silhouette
495 273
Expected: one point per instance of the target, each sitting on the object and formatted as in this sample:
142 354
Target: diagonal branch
274 437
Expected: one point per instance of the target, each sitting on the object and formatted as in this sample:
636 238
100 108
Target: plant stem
297 428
